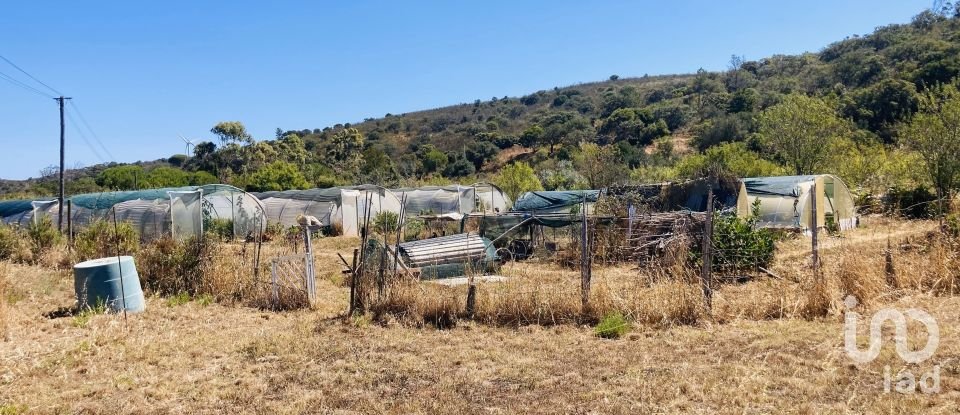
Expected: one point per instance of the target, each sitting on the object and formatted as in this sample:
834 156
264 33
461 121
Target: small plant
179 299
612 326
82 319
10 409
101 239
204 300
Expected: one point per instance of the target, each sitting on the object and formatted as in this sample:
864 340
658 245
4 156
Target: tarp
785 202
776 186
553 200
14 207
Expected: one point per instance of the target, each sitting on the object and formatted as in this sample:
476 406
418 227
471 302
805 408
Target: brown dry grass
196 358
759 351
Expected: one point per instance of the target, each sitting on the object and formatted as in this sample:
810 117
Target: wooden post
889 270
471 299
706 279
353 284
814 227
70 223
584 257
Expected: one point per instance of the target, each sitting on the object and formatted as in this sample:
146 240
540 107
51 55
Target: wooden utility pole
813 229
585 257
705 273
60 100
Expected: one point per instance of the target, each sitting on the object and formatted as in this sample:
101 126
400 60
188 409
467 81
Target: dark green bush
916 203
739 244
101 239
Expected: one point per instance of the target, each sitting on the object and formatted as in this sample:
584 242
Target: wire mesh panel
186 214
292 281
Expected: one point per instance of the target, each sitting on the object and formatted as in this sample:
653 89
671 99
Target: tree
517 178
479 152
934 133
232 132
128 177
458 167
345 152
278 175
431 159
601 166
531 136
734 158
166 177
290 148
377 167
801 130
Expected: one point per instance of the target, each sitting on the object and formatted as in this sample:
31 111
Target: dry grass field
529 349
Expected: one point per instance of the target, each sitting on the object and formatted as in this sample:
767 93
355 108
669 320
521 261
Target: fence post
705 277
584 257
353 283
308 260
276 292
814 225
888 268
471 298
70 223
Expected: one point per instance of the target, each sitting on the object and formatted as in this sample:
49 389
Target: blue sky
141 73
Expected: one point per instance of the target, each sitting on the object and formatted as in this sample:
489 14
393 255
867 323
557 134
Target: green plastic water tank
112 282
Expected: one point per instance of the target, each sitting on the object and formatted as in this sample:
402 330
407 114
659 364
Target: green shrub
221 228
386 222
612 326
101 239
43 235
170 267
14 246
739 244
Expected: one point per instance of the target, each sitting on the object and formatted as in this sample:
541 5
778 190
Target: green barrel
112 282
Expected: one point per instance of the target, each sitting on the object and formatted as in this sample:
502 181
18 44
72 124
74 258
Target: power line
31 76
73 123
93 133
29 88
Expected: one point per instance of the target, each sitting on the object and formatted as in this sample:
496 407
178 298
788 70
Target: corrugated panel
445 250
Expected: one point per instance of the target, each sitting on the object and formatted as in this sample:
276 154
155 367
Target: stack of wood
656 235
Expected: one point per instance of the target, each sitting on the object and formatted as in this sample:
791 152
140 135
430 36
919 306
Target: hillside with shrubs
879 110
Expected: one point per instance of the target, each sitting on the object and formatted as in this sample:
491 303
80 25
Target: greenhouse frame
180 212
785 201
556 201
453 202
343 208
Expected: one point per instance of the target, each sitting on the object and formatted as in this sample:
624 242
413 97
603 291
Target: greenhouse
181 212
341 208
556 201
24 212
785 201
453 202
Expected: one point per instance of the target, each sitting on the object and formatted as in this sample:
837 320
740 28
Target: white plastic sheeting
341 207
785 202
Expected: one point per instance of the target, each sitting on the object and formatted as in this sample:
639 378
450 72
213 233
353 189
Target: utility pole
62 145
